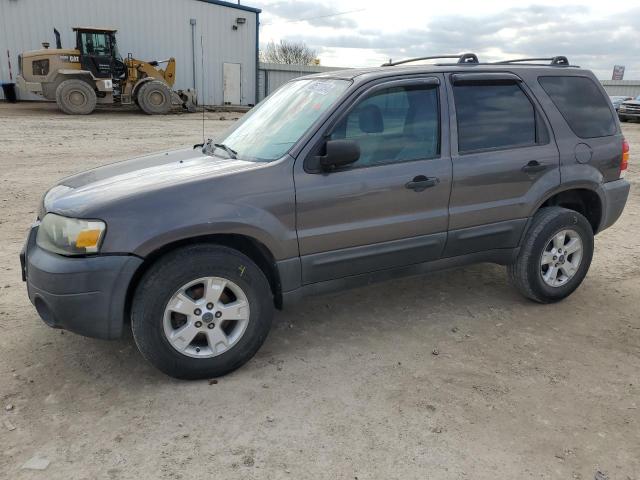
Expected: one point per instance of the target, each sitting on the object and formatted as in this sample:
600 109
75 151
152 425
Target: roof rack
558 60
462 58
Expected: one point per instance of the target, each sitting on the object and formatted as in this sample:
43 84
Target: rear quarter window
582 105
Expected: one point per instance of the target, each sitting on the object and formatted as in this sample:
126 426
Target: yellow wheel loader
95 73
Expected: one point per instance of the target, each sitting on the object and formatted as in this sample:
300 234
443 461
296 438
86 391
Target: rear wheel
76 97
154 98
555 255
201 312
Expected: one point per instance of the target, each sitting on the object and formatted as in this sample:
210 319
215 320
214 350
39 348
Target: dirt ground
347 386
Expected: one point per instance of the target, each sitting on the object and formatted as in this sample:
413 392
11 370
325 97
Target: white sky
593 34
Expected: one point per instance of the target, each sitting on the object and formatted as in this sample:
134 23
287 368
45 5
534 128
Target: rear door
504 160
389 208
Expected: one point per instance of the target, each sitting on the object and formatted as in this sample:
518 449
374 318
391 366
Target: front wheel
154 98
555 255
201 312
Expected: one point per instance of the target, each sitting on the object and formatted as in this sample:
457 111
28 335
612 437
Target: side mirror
339 153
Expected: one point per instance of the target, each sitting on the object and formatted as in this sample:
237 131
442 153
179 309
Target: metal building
273 75
151 30
629 88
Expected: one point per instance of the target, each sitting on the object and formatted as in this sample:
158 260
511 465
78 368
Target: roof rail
558 60
462 58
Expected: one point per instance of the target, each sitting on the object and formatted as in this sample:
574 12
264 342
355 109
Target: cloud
313 13
596 42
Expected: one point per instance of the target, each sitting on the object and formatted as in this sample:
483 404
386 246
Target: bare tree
291 53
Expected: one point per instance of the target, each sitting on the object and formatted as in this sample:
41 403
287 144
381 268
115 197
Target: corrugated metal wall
273 75
622 87
150 29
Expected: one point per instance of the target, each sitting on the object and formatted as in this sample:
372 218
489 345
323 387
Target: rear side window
494 115
582 105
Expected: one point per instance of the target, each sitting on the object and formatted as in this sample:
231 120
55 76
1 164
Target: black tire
623 119
154 98
76 97
525 273
167 276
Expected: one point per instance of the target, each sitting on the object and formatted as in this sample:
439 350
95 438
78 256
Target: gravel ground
347 386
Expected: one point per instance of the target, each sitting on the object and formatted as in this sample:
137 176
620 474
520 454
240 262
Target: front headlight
70 236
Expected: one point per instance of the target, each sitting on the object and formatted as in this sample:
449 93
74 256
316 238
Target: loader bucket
189 99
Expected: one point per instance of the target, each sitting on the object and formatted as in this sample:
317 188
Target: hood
630 102
50 51
135 177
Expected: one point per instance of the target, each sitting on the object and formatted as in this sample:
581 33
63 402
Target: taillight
624 162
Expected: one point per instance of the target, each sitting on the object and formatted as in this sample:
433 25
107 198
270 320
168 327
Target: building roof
233 5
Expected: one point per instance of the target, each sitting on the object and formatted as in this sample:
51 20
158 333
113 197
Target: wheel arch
138 84
245 244
584 199
49 88
75 75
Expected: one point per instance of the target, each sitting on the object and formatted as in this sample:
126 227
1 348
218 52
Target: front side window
582 105
494 115
271 128
95 43
396 124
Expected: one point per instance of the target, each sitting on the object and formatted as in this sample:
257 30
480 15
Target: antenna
202 68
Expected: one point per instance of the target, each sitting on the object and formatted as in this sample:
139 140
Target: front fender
258 202
278 239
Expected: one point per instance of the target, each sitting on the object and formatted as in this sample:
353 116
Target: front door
504 160
389 208
231 83
96 52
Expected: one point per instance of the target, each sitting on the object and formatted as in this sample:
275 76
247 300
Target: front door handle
420 183
534 166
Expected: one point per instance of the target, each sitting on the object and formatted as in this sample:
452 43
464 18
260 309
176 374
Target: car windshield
269 130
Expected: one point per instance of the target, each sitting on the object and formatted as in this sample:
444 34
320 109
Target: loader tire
154 98
76 97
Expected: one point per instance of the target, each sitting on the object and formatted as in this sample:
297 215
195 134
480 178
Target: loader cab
98 51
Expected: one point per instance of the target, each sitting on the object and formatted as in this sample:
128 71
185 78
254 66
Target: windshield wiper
209 147
230 151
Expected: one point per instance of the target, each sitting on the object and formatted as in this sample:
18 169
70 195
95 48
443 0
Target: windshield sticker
321 87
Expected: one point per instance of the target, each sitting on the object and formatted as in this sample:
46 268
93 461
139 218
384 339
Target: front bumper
615 198
85 295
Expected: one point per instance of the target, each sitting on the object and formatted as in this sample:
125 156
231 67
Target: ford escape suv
334 181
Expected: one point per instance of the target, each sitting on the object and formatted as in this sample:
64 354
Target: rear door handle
534 166
420 183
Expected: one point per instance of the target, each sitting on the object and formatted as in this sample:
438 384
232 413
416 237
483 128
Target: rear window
493 116
582 105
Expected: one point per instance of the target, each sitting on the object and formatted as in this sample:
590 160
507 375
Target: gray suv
334 181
